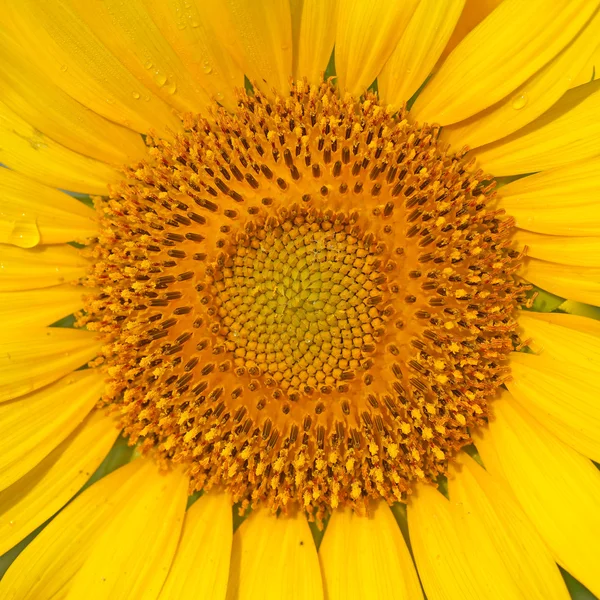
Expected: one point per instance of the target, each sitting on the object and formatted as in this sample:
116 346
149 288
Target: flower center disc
308 302
298 302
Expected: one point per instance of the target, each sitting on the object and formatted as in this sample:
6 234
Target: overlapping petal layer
34 214
33 425
200 568
479 544
362 556
274 558
566 133
39 307
557 487
471 80
559 201
44 490
31 358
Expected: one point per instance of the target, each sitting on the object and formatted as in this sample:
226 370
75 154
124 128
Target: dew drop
64 68
206 67
520 101
171 86
159 78
135 95
181 26
148 64
195 24
24 233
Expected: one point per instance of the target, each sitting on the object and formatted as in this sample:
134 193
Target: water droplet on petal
148 64
64 68
24 233
206 67
159 78
520 101
171 86
195 24
181 26
135 95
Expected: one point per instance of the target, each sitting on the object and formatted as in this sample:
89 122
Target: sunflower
272 300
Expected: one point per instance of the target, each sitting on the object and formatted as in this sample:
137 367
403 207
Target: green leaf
576 589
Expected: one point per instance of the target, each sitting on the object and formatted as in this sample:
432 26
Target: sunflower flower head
332 282
307 300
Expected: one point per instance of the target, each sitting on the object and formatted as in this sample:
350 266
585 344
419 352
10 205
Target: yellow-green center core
297 301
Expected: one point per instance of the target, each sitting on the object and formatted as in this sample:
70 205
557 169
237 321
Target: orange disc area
307 302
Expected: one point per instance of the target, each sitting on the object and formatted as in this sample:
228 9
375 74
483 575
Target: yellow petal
133 555
41 267
560 201
558 489
590 71
259 35
566 250
200 568
531 98
508 557
43 491
33 425
577 283
80 64
190 27
500 54
563 397
567 338
479 544
126 30
47 108
367 34
313 30
30 152
36 214
39 307
566 133
34 357
46 567
364 557
473 13
418 50
274 558
444 567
